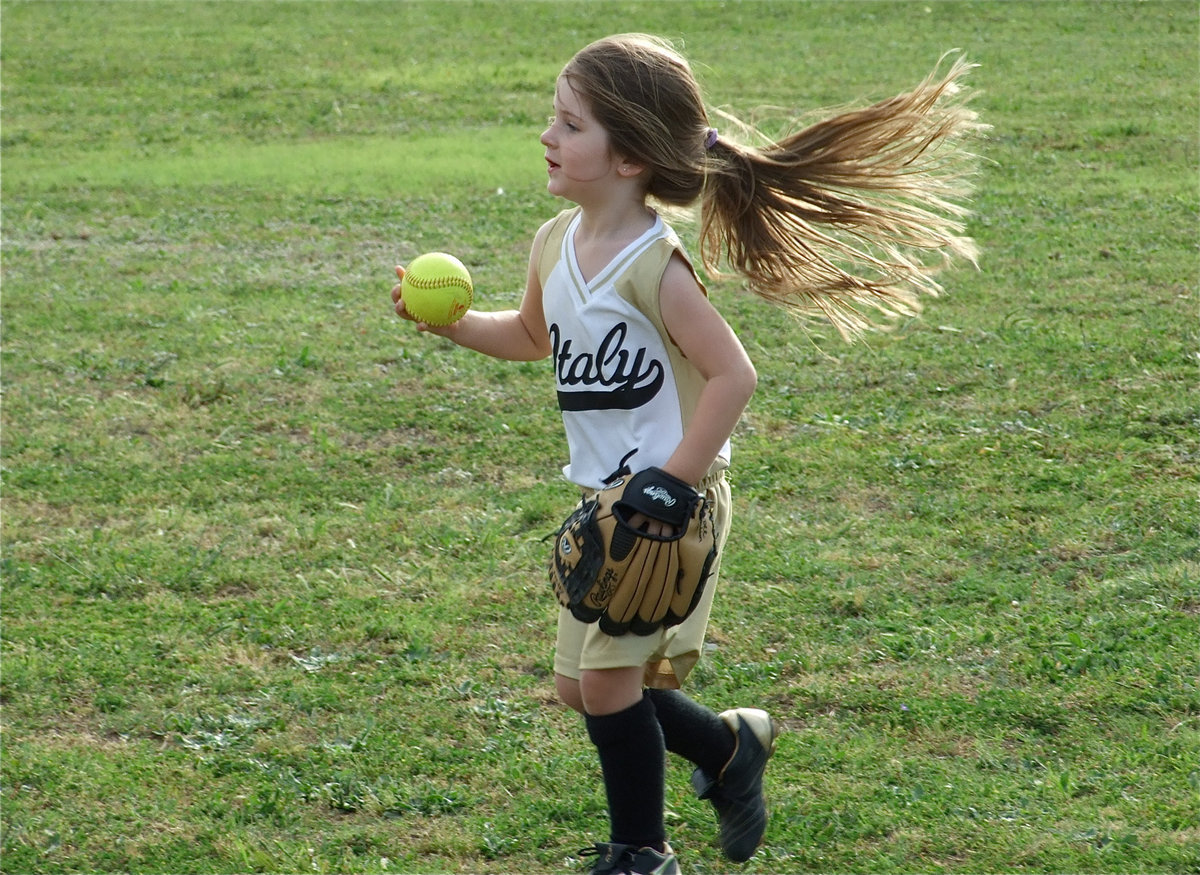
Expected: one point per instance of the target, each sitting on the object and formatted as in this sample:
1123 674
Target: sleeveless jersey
625 390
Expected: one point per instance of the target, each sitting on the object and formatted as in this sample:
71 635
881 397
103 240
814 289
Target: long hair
846 219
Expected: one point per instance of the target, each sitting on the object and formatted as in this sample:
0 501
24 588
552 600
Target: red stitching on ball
439 281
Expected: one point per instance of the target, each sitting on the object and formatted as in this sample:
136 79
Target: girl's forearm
502 334
717 413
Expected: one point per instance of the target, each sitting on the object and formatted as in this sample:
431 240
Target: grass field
273 597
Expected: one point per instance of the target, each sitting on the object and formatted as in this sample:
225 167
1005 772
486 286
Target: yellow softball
436 288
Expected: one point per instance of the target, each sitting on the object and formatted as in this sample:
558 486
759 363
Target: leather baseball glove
603 569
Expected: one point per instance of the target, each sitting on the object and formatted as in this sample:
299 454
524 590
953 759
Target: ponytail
852 216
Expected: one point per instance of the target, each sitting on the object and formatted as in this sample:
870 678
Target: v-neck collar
614 267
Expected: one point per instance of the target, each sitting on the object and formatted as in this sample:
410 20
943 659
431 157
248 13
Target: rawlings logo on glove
657 493
605 570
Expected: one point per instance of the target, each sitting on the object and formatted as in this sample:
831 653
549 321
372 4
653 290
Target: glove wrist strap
660 495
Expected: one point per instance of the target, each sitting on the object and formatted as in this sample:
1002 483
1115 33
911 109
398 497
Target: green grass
360 166
273 597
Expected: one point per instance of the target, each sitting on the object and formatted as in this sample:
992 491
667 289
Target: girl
833 220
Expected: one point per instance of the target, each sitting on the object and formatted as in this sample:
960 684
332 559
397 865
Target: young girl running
838 220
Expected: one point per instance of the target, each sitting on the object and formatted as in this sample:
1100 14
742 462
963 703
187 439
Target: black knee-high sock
692 731
633 762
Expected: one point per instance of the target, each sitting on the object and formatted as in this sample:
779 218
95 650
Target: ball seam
439 282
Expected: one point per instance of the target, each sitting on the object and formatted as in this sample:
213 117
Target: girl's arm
515 335
706 339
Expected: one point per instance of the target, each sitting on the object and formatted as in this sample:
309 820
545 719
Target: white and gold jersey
625 390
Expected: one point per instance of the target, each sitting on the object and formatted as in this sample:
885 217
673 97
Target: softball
436 288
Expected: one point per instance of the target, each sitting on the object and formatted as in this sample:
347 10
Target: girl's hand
398 301
396 292
642 523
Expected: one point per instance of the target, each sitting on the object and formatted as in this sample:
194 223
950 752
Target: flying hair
848 219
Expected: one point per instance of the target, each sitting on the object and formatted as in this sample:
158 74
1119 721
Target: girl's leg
609 690
622 724
568 692
692 731
730 751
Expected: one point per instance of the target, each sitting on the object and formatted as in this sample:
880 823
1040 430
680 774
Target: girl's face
578 157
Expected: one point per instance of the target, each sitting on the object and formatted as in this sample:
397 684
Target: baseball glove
629 580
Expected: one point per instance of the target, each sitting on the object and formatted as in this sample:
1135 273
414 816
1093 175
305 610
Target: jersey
625 390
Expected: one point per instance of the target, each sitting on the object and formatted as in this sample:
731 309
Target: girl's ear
629 169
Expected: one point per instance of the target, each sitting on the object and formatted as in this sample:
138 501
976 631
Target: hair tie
710 139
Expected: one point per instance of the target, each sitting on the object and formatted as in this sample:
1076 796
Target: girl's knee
609 690
569 692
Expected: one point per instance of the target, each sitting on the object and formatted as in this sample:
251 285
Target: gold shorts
669 654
